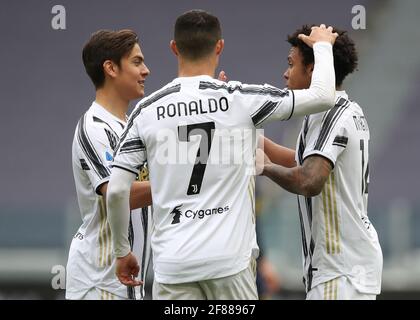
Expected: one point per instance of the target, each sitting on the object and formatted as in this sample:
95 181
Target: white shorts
240 286
99 294
337 289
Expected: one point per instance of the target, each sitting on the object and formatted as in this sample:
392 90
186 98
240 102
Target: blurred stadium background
44 91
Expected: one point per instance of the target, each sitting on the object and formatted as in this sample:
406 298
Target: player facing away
114 62
342 257
204 242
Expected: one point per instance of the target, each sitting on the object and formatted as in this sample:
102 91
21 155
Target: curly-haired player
341 253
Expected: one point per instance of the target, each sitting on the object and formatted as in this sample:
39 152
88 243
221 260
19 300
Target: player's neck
196 68
112 102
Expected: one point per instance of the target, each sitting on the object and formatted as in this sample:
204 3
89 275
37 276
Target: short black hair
196 34
344 51
106 45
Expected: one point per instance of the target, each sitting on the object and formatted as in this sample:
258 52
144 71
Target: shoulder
91 128
147 102
243 88
170 88
340 112
348 111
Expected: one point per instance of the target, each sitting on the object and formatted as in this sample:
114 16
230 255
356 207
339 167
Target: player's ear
310 68
110 68
174 49
219 46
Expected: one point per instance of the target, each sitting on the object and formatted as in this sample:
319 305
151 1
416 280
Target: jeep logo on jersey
177 214
197 214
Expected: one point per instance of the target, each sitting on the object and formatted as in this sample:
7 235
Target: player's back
199 136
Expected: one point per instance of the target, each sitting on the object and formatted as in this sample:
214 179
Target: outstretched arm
278 154
321 94
307 180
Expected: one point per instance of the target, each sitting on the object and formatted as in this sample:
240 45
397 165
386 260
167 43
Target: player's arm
118 206
307 180
270 103
321 94
124 172
278 154
140 194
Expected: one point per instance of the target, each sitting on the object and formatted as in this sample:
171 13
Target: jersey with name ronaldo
90 262
198 136
338 238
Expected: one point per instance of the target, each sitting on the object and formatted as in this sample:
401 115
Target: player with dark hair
341 251
114 62
204 242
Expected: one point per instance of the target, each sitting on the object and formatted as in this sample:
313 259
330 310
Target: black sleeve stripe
122 168
244 89
293 105
339 145
340 141
130 151
145 104
132 145
329 122
89 150
263 112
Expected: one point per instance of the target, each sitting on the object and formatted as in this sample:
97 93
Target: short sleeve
95 153
267 103
331 138
131 152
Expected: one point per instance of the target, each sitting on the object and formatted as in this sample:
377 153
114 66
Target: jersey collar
102 111
341 94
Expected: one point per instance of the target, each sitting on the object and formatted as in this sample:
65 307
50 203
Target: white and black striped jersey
204 224
198 137
90 262
338 238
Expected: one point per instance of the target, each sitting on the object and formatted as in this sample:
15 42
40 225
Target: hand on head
318 34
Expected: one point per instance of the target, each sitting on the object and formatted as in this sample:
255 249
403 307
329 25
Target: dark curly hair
344 51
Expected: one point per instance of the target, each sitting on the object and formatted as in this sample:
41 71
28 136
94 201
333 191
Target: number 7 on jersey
206 131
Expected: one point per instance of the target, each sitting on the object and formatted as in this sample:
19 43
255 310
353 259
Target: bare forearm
307 180
289 179
140 194
279 154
